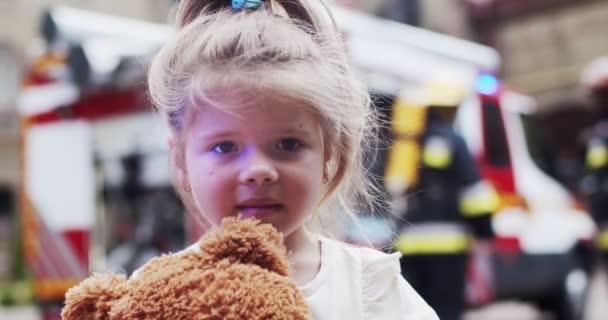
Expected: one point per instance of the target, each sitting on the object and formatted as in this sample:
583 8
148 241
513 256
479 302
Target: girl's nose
258 170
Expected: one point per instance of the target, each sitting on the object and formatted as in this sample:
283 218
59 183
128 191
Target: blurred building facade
544 44
445 16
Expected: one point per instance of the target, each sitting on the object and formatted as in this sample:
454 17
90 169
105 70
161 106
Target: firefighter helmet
442 93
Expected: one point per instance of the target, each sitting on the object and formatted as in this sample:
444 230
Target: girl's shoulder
373 269
368 258
385 293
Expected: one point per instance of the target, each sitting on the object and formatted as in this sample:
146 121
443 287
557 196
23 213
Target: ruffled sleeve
386 294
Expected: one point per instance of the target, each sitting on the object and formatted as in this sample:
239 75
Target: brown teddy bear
238 271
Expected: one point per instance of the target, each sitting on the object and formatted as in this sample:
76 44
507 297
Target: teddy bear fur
240 272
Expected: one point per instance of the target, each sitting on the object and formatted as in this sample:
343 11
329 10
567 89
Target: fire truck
96 194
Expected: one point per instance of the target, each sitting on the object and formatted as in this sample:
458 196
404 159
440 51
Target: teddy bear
238 270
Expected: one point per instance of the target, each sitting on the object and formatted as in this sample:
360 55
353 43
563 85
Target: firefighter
595 184
440 199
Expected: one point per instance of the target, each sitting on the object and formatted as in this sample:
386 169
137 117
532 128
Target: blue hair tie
238 5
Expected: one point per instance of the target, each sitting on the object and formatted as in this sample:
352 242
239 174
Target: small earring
325 179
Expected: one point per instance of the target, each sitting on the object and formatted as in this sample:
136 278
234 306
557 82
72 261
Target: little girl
268 122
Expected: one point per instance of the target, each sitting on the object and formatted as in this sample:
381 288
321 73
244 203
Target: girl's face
264 160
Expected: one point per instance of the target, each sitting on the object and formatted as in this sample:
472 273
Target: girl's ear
171 142
327 150
327 153
176 152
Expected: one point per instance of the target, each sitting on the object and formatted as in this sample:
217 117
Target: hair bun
188 10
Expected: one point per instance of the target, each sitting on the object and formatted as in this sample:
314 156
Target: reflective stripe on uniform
437 153
412 245
597 154
602 241
433 238
479 199
402 167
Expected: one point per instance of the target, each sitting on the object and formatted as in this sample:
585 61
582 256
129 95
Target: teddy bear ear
248 242
93 298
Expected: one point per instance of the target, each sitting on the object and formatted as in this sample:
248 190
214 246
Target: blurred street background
84 174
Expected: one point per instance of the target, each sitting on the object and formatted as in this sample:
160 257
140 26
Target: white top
361 283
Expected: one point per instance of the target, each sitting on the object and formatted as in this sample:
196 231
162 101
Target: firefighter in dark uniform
595 184
439 197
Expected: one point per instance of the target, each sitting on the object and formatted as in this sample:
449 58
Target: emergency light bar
487 84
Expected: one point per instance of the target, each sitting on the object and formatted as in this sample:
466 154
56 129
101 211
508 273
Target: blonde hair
290 47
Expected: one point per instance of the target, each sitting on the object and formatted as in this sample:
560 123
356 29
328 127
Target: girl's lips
259 211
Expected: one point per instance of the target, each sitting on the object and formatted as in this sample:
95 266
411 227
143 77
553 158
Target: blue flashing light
487 84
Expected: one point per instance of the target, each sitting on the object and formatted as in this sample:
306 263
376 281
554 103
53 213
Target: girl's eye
289 144
224 147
